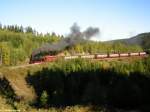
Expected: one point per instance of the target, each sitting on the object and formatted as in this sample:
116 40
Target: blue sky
115 18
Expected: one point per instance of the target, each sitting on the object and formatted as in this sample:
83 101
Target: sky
116 19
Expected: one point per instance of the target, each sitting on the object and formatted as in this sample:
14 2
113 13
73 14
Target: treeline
145 37
93 47
17 44
16 28
142 39
81 82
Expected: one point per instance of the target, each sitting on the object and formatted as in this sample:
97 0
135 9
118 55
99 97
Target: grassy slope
16 77
4 104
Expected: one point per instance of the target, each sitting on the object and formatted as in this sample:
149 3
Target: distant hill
141 39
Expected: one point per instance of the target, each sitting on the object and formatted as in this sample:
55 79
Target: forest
17 44
77 85
80 85
81 82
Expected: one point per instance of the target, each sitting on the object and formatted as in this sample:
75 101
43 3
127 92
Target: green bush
44 99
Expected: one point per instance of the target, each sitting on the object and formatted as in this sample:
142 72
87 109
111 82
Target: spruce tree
44 98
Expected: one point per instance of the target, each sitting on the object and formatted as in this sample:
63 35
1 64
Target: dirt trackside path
23 66
17 79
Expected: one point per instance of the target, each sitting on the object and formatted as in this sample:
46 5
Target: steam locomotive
50 58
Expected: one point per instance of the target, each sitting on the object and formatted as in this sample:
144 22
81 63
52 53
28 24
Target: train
51 58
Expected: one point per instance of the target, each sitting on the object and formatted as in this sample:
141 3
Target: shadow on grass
99 87
7 91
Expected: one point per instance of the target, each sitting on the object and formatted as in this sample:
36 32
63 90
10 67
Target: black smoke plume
75 37
89 32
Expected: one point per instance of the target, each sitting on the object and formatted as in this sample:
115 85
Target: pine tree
0 26
44 98
29 30
5 53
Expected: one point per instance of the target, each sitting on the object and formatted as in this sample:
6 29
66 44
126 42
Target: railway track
100 59
107 56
